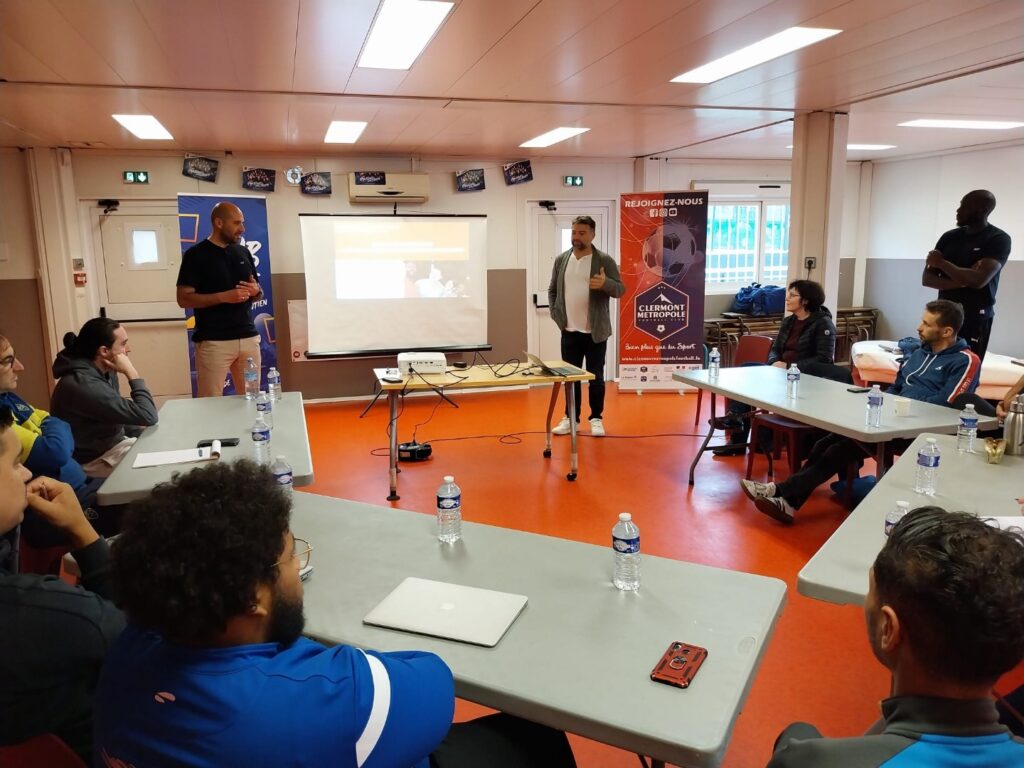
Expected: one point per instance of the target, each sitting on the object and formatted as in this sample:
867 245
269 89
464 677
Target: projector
421 362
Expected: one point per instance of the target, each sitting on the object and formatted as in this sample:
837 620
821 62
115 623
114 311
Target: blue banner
194 227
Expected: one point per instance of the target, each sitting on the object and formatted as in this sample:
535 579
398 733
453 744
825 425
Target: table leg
393 445
570 398
707 438
880 461
551 411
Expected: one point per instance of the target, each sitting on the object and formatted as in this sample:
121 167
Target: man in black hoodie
53 636
103 422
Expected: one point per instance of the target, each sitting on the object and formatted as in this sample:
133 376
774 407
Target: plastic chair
751 348
45 751
782 429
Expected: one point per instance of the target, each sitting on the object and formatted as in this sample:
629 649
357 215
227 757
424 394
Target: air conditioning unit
391 188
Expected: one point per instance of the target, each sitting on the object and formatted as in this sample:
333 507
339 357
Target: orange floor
818 666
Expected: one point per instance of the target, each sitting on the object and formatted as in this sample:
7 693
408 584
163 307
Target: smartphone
679 664
224 442
858 389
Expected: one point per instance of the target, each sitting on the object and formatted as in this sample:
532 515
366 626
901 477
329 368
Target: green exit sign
135 177
572 181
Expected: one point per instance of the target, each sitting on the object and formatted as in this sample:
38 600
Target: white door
551 234
137 256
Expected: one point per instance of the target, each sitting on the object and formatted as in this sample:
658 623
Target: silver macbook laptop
567 370
451 611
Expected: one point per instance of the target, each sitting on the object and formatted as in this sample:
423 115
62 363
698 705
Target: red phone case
679 664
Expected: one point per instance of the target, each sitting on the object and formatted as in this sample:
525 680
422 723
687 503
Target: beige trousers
215 358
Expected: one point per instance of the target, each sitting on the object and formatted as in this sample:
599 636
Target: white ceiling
269 75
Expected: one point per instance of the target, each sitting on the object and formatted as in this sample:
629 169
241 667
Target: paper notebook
184 456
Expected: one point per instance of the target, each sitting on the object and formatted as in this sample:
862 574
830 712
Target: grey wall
506 332
894 286
846 269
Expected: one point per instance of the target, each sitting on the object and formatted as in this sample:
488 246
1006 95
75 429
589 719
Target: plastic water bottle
896 514
265 407
714 363
283 474
626 546
874 413
926 476
967 430
274 383
251 374
793 382
261 440
449 511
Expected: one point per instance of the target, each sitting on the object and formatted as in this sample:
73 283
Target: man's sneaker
563 427
776 508
597 428
756 490
730 449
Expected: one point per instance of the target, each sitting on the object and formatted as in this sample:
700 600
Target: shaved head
975 208
228 223
225 210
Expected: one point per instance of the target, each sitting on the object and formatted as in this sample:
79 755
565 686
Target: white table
838 572
580 655
183 423
825 404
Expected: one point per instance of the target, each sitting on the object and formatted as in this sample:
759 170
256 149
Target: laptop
451 611
564 370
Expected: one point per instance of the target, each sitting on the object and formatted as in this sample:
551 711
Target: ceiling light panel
401 31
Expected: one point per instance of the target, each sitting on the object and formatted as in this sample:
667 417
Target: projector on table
421 362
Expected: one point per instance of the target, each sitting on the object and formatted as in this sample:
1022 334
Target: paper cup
902 405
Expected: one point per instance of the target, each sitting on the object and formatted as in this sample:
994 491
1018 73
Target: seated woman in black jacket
807 336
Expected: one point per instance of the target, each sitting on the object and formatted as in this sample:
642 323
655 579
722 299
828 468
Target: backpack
769 300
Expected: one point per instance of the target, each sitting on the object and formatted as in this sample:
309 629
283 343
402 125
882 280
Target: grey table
183 423
838 572
579 657
823 403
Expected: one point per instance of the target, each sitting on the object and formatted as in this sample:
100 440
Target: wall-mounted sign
368 178
259 179
572 181
470 181
518 172
135 177
316 183
202 168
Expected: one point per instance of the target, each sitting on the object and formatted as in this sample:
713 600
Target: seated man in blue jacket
213 671
945 615
941 371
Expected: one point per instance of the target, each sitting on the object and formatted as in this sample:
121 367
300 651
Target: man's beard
286 620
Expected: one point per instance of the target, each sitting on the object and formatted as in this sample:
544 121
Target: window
142 241
747 242
144 247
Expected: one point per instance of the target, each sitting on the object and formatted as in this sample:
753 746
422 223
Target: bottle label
793 377
284 478
968 423
250 375
449 503
260 436
925 460
626 546
875 401
265 406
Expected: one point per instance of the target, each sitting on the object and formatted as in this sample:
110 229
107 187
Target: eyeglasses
7 362
301 553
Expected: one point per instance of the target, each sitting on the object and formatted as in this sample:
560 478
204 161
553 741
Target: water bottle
967 430
265 407
274 383
714 363
926 476
449 511
282 471
261 440
893 516
251 374
874 414
793 382
626 546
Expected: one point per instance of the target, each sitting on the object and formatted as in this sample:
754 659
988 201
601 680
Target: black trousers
579 347
503 741
976 330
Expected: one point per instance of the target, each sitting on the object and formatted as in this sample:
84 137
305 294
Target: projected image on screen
372 282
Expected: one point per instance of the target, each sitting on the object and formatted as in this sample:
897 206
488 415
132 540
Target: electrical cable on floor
514 438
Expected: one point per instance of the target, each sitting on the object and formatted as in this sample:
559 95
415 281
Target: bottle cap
903 504
280 458
625 517
449 478
930 440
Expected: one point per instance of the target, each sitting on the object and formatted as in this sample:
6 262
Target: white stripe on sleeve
378 710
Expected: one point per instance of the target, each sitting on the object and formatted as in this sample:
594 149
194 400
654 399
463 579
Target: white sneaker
756 490
597 428
563 427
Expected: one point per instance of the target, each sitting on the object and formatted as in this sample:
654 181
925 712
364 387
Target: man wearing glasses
212 669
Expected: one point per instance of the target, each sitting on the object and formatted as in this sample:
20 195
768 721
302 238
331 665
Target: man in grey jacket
582 281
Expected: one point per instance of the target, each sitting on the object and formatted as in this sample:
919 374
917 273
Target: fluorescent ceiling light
553 137
344 131
786 41
401 31
862 147
143 126
978 125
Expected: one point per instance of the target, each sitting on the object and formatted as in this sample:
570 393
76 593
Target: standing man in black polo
582 281
218 280
965 266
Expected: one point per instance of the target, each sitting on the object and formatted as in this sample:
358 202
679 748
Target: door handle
538 306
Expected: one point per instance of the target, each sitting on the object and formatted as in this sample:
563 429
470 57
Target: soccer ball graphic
669 255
